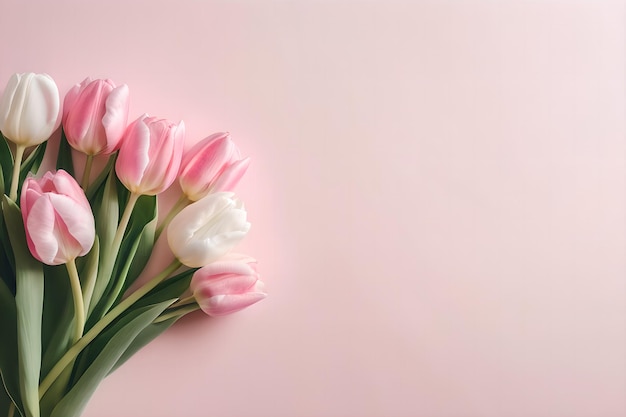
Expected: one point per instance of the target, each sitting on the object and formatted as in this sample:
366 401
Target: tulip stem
77 294
184 301
87 173
177 313
121 228
107 319
17 164
176 208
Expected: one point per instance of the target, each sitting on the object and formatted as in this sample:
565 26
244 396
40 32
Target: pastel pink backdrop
437 198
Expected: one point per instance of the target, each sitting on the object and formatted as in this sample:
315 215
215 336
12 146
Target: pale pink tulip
227 285
95 114
149 159
57 217
213 164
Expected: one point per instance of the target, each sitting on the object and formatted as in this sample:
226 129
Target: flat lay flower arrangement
72 249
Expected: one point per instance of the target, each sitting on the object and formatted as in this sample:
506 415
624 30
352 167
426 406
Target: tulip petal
39 227
116 117
133 158
204 161
224 284
221 305
72 96
229 178
77 222
40 110
221 267
9 117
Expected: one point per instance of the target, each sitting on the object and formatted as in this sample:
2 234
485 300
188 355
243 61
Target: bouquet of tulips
72 309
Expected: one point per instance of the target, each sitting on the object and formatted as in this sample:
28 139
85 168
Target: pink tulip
95 114
57 217
213 164
228 285
150 155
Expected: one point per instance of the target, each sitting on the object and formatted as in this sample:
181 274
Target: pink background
437 198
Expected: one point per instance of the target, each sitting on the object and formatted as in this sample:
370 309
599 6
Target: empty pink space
437 198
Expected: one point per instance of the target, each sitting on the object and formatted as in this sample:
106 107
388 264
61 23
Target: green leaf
106 214
58 314
146 336
88 268
1 181
6 162
7 264
29 287
117 343
8 347
64 158
135 249
142 228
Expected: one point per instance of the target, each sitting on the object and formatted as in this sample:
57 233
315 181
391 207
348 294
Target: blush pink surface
437 196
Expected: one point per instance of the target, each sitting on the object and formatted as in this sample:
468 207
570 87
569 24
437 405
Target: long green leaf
29 288
106 214
142 229
8 347
135 249
76 399
133 255
58 313
7 264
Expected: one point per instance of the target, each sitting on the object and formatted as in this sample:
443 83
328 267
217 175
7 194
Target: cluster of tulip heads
103 228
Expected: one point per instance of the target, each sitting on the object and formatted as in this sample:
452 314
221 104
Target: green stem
178 206
17 164
121 228
108 318
11 409
183 302
77 294
177 313
87 172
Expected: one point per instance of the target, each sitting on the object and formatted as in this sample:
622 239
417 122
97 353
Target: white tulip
207 229
29 109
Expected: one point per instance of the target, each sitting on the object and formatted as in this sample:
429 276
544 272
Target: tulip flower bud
227 285
150 155
213 164
57 217
95 114
207 229
29 109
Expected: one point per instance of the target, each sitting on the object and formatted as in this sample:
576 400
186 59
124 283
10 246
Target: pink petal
230 177
116 117
226 304
39 226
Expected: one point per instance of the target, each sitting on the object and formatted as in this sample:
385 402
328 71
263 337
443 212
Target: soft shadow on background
437 197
